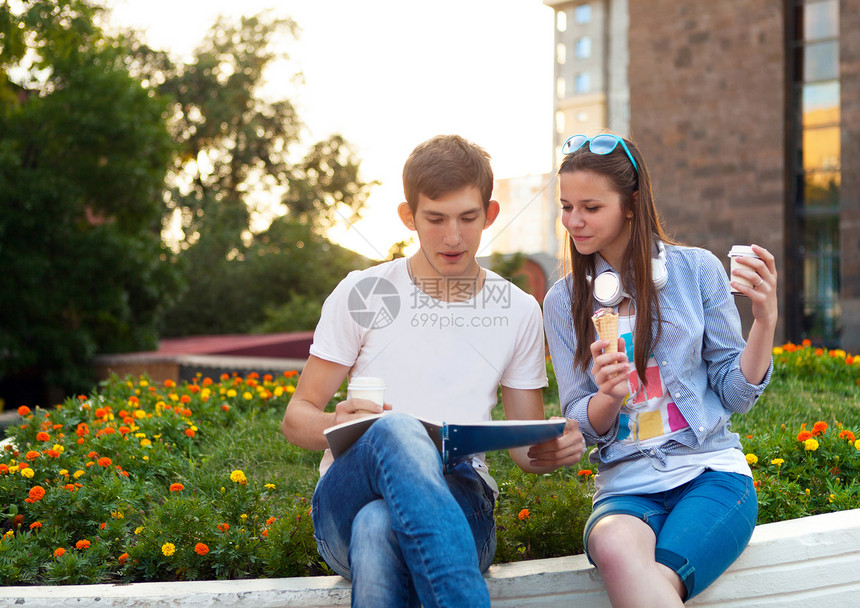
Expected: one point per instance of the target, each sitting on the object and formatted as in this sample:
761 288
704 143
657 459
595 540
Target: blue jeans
702 526
387 518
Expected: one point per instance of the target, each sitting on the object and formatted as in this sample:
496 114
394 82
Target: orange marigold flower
186 412
36 494
35 524
757 484
82 544
847 435
104 461
189 432
291 374
849 360
31 455
819 352
23 410
585 473
223 527
103 525
42 436
185 399
201 549
819 428
270 521
123 558
4 469
807 342
52 453
225 407
59 552
176 487
265 533
524 514
100 413
803 435
82 429
124 430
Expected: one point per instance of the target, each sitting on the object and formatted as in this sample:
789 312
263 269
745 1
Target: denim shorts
701 526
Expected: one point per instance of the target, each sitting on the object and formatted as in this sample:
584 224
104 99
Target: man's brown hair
444 164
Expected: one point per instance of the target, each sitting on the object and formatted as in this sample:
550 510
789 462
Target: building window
582 13
583 48
561 53
816 163
561 21
582 83
560 88
559 122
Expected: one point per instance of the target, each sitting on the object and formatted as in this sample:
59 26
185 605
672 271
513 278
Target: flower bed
144 482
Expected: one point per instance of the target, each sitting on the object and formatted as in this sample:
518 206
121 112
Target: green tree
83 154
238 158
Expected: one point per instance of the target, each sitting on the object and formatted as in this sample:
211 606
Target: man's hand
562 451
357 408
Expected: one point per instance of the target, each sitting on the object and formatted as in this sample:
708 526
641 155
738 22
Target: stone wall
707 97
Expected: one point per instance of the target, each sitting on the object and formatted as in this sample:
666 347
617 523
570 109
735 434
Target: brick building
748 114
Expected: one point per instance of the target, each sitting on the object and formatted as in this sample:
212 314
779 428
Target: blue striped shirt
698 354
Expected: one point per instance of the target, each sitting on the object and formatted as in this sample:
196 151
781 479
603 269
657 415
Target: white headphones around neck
608 290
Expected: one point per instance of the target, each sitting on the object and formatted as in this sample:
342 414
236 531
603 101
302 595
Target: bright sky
388 74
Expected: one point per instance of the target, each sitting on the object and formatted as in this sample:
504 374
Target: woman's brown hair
645 228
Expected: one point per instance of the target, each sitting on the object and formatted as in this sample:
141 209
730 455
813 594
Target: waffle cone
607 329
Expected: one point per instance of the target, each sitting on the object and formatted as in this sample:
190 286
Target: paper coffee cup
366 387
740 251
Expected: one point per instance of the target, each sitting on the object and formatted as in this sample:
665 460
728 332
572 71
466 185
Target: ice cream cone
606 323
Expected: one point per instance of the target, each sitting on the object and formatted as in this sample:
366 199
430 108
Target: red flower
104 461
35 524
819 428
23 410
123 558
847 435
585 473
803 435
201 549
82 429
176 487
189 432
59 552
82 544
524 514
223 527
42 436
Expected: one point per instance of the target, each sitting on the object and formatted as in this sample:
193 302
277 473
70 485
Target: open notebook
457 441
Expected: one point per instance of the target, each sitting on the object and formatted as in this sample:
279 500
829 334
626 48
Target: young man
443 334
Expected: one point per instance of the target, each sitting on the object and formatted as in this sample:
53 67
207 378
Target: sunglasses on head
600 144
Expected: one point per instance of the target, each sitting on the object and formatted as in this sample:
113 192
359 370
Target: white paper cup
366 387
740 251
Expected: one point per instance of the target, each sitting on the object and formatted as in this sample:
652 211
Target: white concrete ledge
790 564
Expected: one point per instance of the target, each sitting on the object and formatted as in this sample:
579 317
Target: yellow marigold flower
138 530
79 473
279 390
752 459
27 473
139 414
291 389
144 383
238 476
117 515
64 472
168 549
777 350
808 491
777 461
810 445
145 443
247 396
243 516
831 498
9 534
270 486
59 448
857 445
140 435
231 393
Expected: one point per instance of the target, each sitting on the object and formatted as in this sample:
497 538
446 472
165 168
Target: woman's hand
761 272
357 408
610 370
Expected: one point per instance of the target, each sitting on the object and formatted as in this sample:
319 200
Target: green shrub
138 482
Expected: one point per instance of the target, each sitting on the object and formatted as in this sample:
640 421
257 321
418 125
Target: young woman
675 503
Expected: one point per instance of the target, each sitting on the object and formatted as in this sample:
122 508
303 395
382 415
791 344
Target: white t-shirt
440 360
